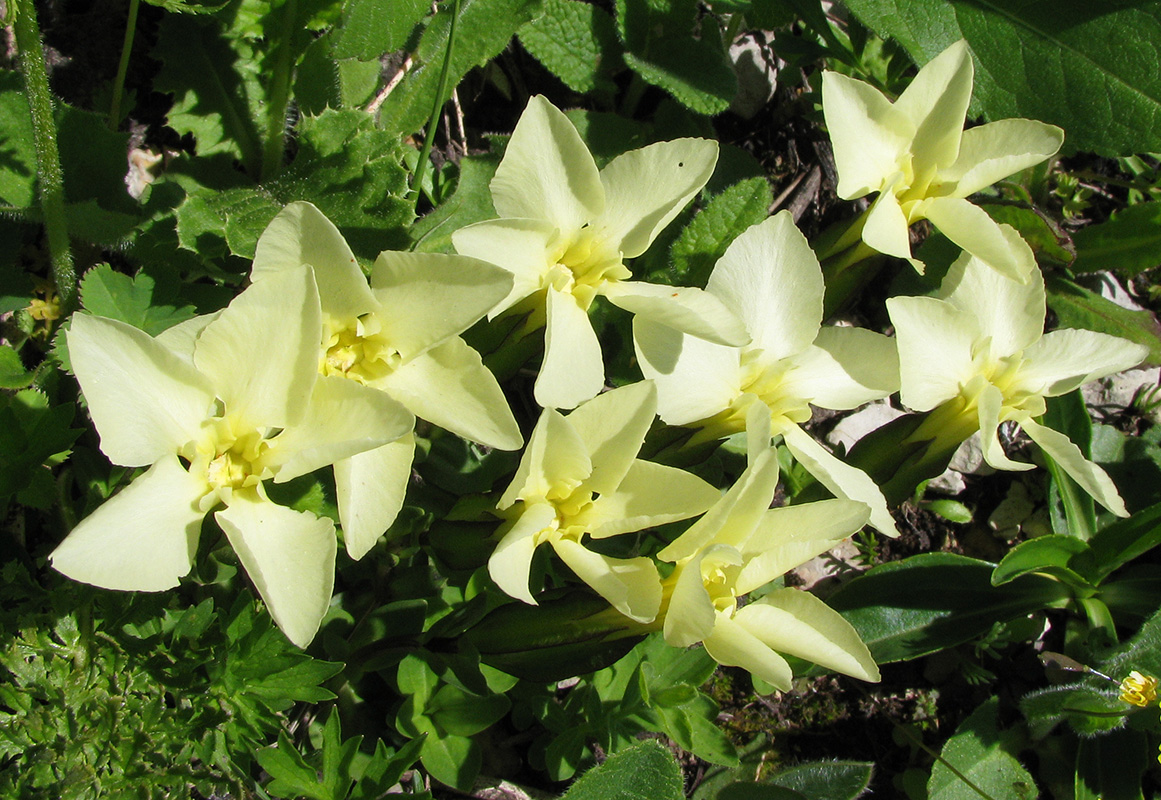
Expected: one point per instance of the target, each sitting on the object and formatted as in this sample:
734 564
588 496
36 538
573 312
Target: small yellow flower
1138 689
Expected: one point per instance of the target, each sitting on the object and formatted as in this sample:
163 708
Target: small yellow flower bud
1138 689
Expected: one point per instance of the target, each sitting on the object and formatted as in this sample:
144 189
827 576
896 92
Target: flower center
719 580
228 460
358 351
582 265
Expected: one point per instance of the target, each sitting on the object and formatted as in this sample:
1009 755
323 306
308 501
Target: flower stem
123 65
274 145
437 106
44 137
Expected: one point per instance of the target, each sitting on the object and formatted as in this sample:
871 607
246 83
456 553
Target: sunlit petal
695 379
650 495
846 367
689 310
631 585
573 369
936 102
867 134
886 228
992 152
523 247
935 341
511 561
1068 457
556 460
690 616
971 228
370 488
1066 359
991 402
613 426
731 645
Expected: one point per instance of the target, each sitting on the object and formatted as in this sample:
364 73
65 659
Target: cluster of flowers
310 366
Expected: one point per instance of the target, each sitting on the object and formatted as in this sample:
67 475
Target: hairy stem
123 65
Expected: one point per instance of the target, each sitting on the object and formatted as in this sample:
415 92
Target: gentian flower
215 409
770 278
740 545
566 227
580 477
916 155
400 337
977 354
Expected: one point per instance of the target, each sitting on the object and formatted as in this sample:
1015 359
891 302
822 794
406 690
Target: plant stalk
44 135
274 145
123 65
437 106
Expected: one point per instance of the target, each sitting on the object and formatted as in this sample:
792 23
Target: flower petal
428 298
547 172
695 379
842 479
844 368
886 228
798 623
990 404
262 353
613 427
289 556
450 386
1066 359
690 616
556 461
344 418
511 561
992 152
143 538
370 488
770 278
1011 313
650 495
683 308
936 342
523 247
936 102
182 338
646 188
631 585
867 134
573 369
301 234
1068 457
732 645
971 228
146 401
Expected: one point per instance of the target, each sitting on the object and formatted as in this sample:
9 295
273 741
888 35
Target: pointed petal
758 429
450 386
344 418
846 367
1067 455
262 353
573 369
289 556
971 228
683 308
992 152
613 427
301 234
731 645
1010 312
789 536
547 172
370 488
1066 359
182 338
798 623
650 495
142 539
523 247
646 188
935 341
511 561
631 585
555 462
732 520
991 403
695 379
867 134
690 616
936 102
145 401
842 479
427 298
886 228
770 278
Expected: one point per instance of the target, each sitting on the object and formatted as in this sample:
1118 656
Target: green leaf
646 771
1128 243
826 780
1112 765
1066 557
370 28
1095 75
1125 540
910 608
131 300
705 239
292 776
189 6
454 760
13 375
484 29
31 432
577 42
977 751
748 790
1077 307
18 164
470 202
385 769
463 713
1087 709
